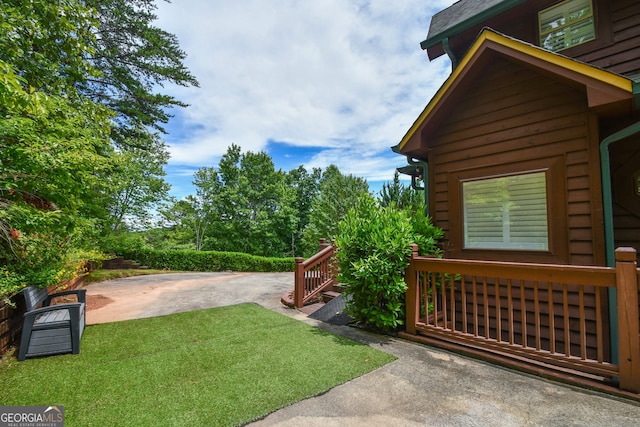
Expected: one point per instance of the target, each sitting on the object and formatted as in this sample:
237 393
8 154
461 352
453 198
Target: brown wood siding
626 211
513 115
627 228
622 56
615 48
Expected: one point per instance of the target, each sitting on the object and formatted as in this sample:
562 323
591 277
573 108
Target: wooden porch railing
554 316
314 275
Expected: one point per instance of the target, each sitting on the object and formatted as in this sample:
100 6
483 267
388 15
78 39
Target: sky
312 83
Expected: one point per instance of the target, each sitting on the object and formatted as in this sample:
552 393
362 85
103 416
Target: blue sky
312 83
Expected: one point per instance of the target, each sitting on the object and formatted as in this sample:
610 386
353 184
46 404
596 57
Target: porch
577 324
573 323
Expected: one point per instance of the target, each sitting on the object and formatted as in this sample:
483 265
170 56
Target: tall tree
137 188
338 193
62 110
188 222
134 58
400 195
52 153
252 209
204 214
307 187
106 51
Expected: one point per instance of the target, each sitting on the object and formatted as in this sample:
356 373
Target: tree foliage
373 244
52 154
133 58
402 196
306 187
337 194
48 43
137 188
248 204
245 204
77 112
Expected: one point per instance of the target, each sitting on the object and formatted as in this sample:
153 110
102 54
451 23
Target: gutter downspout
452 56
609 243
425 182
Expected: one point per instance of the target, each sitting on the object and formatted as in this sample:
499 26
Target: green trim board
607 207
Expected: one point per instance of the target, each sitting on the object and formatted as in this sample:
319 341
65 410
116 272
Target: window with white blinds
506 213
567 24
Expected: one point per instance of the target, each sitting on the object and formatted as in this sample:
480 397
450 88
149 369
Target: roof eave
475 20
524 50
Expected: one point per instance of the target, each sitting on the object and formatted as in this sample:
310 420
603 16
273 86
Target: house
530 153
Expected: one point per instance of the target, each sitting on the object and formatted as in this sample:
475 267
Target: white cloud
347 75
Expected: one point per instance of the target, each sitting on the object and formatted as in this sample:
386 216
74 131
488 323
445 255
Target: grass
216 367
101 275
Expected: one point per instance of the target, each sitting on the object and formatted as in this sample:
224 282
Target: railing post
333 266
412 308
332 270
628 323
298 290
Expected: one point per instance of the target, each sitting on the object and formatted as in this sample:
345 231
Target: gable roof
603 88
463 15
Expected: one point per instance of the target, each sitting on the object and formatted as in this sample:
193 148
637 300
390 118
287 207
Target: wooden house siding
510 108
513 116
626 203
615 48
622 56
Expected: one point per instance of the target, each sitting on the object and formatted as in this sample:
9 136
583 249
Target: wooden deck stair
315 283
327 296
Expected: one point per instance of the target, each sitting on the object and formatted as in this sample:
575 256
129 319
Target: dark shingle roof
463 15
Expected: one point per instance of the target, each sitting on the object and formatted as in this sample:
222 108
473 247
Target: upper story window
567 24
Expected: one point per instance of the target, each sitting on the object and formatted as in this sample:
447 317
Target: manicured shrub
373 250
192 260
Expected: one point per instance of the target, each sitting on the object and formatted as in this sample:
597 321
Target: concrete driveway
160 294
425 386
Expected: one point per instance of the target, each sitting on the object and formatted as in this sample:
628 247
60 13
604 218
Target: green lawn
217 367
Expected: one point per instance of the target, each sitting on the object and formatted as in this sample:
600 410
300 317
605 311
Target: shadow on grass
351 334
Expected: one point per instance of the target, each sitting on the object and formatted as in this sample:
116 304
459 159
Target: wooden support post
323 244
298 290
413 299
333 268
628 323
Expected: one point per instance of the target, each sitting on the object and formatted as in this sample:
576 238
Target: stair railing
315 274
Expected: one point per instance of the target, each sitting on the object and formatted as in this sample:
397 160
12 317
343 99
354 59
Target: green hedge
191 260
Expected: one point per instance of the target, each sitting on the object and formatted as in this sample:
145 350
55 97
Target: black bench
51 329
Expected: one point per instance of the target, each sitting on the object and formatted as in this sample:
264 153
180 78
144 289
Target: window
567 24
508 212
